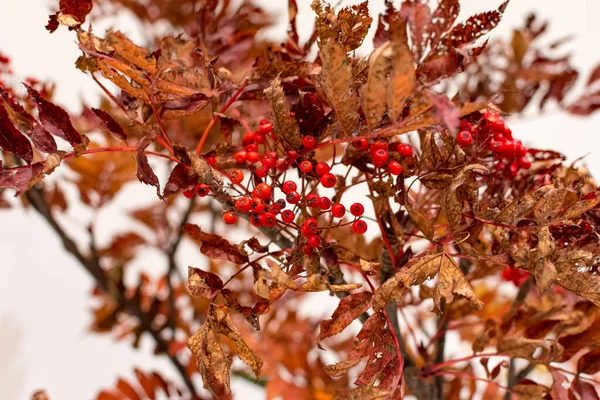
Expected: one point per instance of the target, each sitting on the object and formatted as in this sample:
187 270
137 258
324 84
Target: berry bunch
381 152
490 135
253 193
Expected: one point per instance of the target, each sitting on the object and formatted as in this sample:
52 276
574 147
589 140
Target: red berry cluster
490 134
267 165
380 153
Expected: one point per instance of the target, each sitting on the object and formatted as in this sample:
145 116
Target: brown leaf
214 246
349 308
12 140
442 19
521 347
445 111
211 360
181 177
475 27
337 84
354 23
57 121
549 204
225 327
72 13
422 222
452 281
364 393
418 16
278 276
284 123
545 274
144 172
375 93
203 283
581 207
319 283
131 52
402 78
529 390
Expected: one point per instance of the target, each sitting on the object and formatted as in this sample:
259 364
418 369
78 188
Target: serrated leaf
336 80
349 308
442 19
473 28
214 246
424 224
109 123
402 78
284 123
375 93
11 140
354 23
418 16
144 172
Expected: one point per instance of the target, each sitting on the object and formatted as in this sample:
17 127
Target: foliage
280 142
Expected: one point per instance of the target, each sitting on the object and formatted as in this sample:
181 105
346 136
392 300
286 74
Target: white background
44 292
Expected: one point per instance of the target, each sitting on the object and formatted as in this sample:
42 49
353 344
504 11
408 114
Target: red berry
464 138
524 163
268 219
283 165
259 137
248 139
380 157
328 180
269 162
236 176
359 227
255 219
240 157
395 168
305 166
229 217
271 154
378 145
509 147
513 169
287 216
520 150
243 204
312 200
310 227
265 126
306 249
188 193
497 146
251 147
314 241
289 186
405 150
210 160
262 171
357 209
324 203
279 205
338 210
322 168
202 190
253 157
308 142
466 126
293 154
257 205
263 191
292 197
361 143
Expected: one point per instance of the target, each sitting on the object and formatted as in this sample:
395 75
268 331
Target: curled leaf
203 283
350 308
214 246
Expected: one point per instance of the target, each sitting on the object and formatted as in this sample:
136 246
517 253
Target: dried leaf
204 283
349 308
402 79
214 246
284 122
12 140
319 283
521 347
442 19
225 327
109 123
589 363
144 172
57 121
375 96
445 111
72 13
545 274
475 27
364 393
418 16
181 177
354 23
337 84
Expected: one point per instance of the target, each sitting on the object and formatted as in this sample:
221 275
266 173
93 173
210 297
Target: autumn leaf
71 13
284 122
335 78
203 283
442 19
354 23
109 123
181 177
12 140
319 283
144 172
57 121
445 111
475 27
521 347
424 224
214 246
349 308
402 78
375 96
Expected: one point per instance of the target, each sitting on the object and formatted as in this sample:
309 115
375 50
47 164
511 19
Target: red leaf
126 389
181 177
72 13
585 389
41 138
12 140
350 308
144 172
594 76
52 24
585 105
203 283
442 19
589 363
57 121
383 32
214 246
475 27
418 16
145 383
19 178
109 123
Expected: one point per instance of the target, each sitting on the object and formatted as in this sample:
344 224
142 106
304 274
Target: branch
35 196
